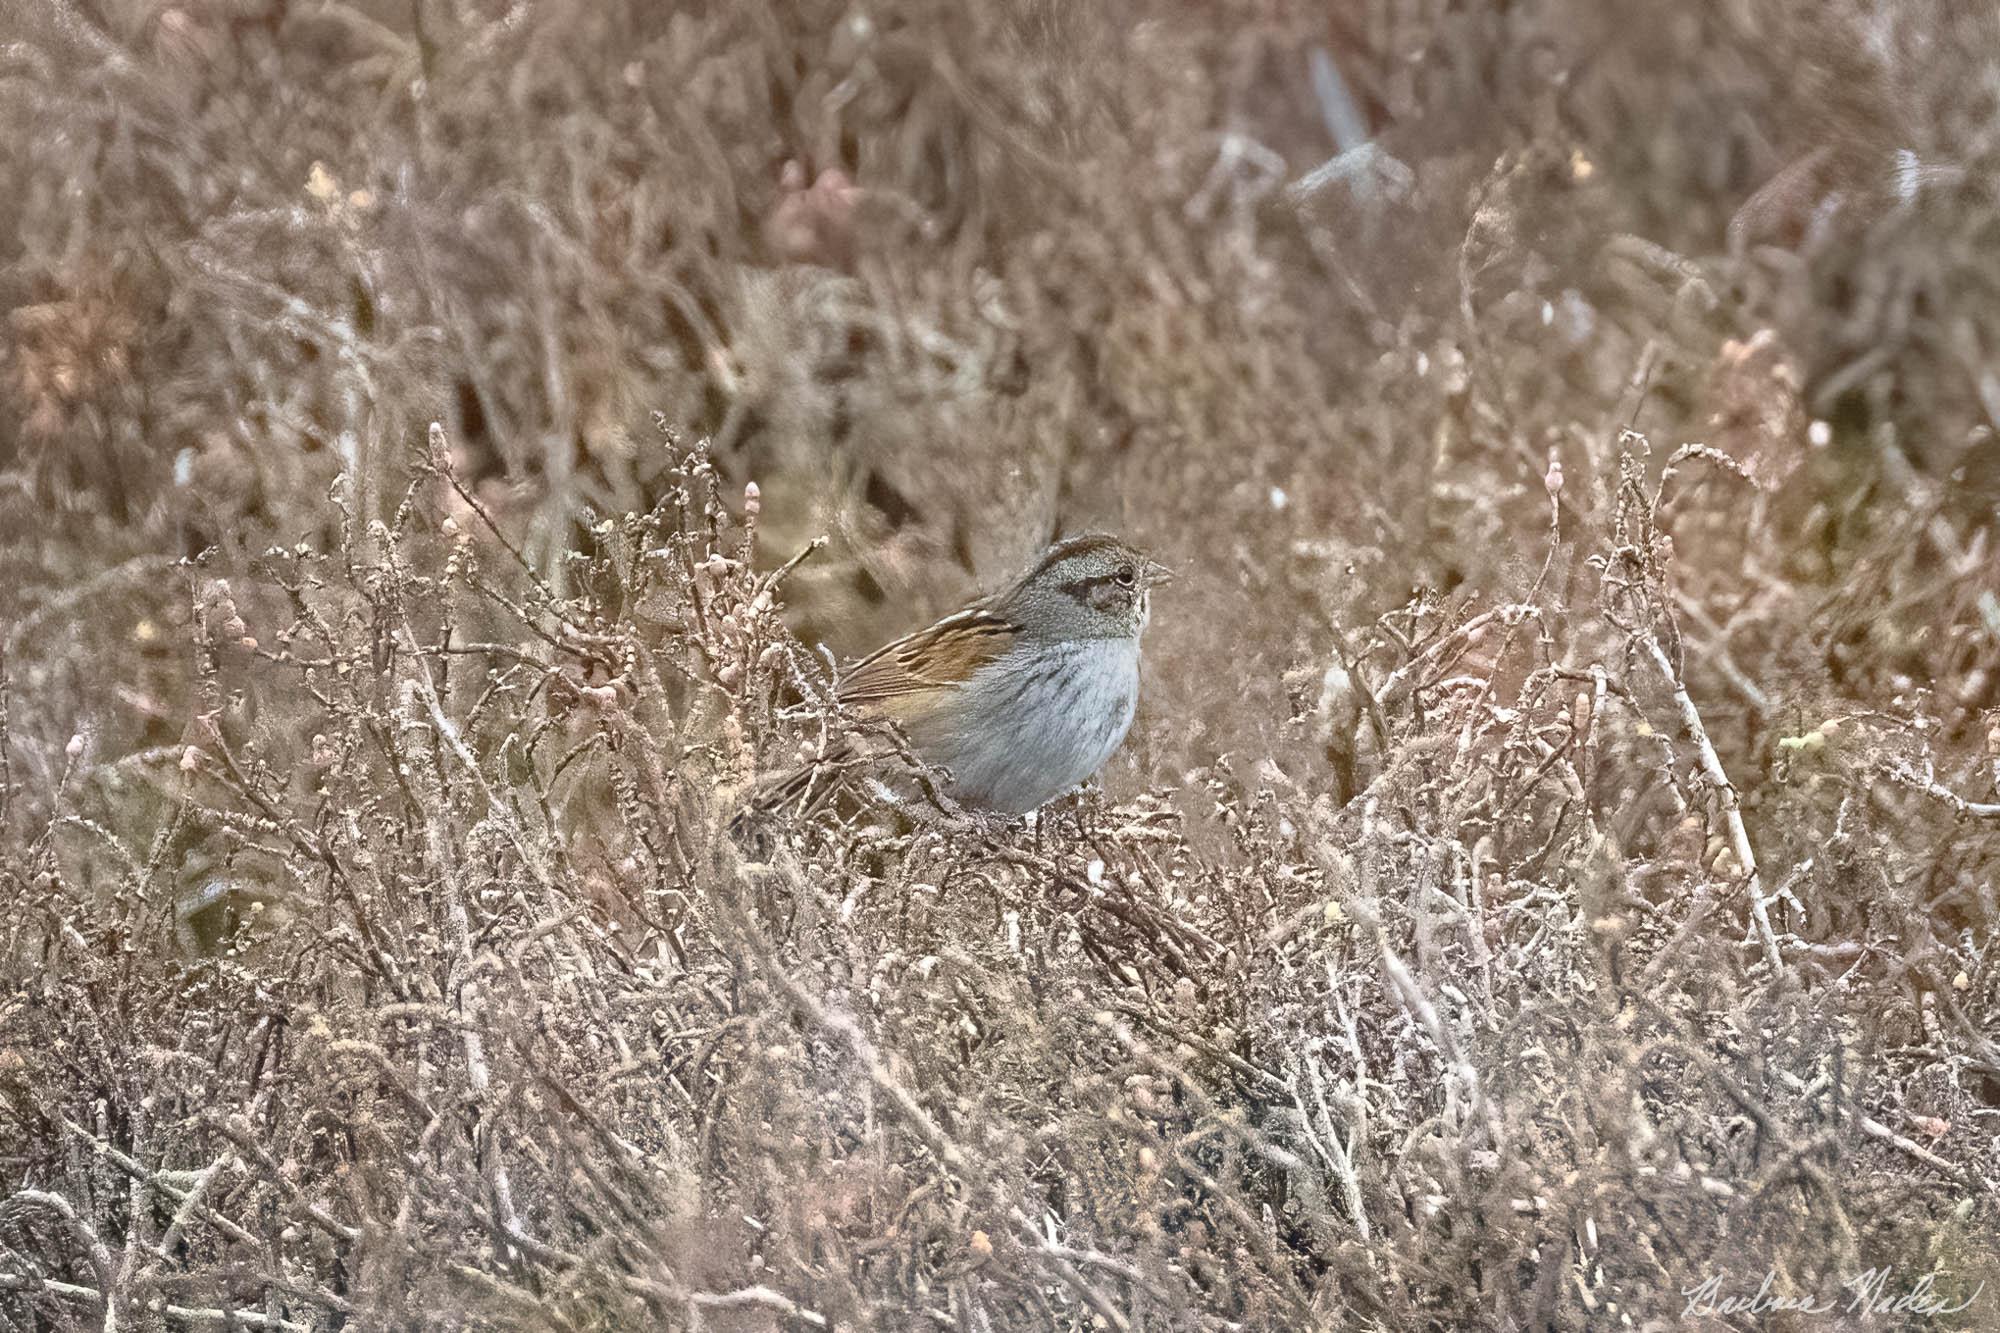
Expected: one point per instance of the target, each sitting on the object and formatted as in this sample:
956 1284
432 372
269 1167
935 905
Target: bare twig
1732 809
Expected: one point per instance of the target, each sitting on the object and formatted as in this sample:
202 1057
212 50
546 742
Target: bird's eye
1125 576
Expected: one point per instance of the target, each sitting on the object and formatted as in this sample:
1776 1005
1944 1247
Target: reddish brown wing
931 659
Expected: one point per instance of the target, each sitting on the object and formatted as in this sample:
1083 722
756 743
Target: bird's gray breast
1037 722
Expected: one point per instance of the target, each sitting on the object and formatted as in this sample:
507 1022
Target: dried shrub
1555 864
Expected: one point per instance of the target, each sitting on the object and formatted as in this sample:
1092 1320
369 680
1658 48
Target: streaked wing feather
931 659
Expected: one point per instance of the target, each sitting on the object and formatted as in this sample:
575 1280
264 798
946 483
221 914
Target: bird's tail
806 786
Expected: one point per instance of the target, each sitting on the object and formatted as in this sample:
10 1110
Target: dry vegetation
1557 858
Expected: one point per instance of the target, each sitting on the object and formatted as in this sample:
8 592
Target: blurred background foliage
1327 305
943 282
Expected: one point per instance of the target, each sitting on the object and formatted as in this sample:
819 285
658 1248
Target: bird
1021 695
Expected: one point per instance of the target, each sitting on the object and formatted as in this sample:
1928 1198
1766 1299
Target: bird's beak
1158 575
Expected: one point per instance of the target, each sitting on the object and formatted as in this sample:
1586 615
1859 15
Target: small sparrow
1023 694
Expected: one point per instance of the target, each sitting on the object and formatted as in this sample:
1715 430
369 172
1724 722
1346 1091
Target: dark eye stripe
1083 587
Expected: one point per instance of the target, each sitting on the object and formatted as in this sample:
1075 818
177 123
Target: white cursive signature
1869 1292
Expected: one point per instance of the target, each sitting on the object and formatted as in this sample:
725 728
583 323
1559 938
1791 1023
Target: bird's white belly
1031 726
